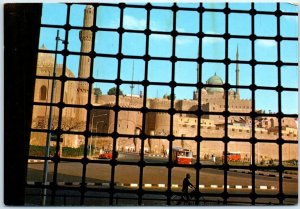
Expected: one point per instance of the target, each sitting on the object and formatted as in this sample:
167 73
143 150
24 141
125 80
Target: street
155 178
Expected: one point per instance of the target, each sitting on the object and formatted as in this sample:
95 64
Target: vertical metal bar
140 199
226 138
279 118
199 89
88 110
47 149
253 166
62 90
92 136
113 166
174 32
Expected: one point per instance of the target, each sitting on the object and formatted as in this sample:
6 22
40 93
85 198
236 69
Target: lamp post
102 121
50 119
94 116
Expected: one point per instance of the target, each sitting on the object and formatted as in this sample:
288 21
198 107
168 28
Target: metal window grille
85 193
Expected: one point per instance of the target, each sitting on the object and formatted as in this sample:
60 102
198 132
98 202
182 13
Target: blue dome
214 80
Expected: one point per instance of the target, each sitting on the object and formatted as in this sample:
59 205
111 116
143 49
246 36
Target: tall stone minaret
85 37
237 71
195 96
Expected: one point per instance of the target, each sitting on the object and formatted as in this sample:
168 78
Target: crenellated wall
158 123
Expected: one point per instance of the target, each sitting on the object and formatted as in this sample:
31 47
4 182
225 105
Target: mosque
157 123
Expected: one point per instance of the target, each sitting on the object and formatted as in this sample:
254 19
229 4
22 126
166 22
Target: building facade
102 120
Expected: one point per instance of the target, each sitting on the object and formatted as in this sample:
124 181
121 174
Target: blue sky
186 47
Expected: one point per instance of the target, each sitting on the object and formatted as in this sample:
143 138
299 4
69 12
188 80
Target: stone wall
157 123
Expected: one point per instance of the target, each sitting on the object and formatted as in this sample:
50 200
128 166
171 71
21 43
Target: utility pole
50 120
93 116
237 71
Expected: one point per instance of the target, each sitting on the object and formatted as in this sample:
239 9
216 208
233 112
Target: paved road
96 173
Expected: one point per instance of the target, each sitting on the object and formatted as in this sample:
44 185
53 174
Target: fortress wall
215 103
150 117
185 126
127 122
131 144
110 123
69 96
163 104
104 143
162 124
48 71
45 70
105 99
70 92
211 107
263 150
239 105
129 101
40 114
38 138
290 151
158 122
289 122
178 104
190 105
124 101
48 84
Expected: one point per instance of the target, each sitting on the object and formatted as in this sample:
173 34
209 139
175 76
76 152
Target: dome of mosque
45 64
214 80
45 59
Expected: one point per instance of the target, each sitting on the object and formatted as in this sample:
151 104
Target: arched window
43 93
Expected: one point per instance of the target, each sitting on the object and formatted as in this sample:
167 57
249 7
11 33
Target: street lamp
97 129
94 116
47 149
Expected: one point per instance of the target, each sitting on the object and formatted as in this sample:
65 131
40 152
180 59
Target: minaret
132 86
85 37
237 71
195 96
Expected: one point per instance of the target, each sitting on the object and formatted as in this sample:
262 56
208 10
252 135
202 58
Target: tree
97 91
168 96
113 91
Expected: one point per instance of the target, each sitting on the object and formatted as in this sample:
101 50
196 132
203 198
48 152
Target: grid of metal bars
172 111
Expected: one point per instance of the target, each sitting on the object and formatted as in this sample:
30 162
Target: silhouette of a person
185 188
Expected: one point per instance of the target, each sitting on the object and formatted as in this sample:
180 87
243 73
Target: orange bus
232 156
182 156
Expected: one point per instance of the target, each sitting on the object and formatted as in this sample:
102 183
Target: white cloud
183 40
181 30
134 23
291 18
154 26
211 40
210 32
130 22
161 37
179 40
114 24
266 43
